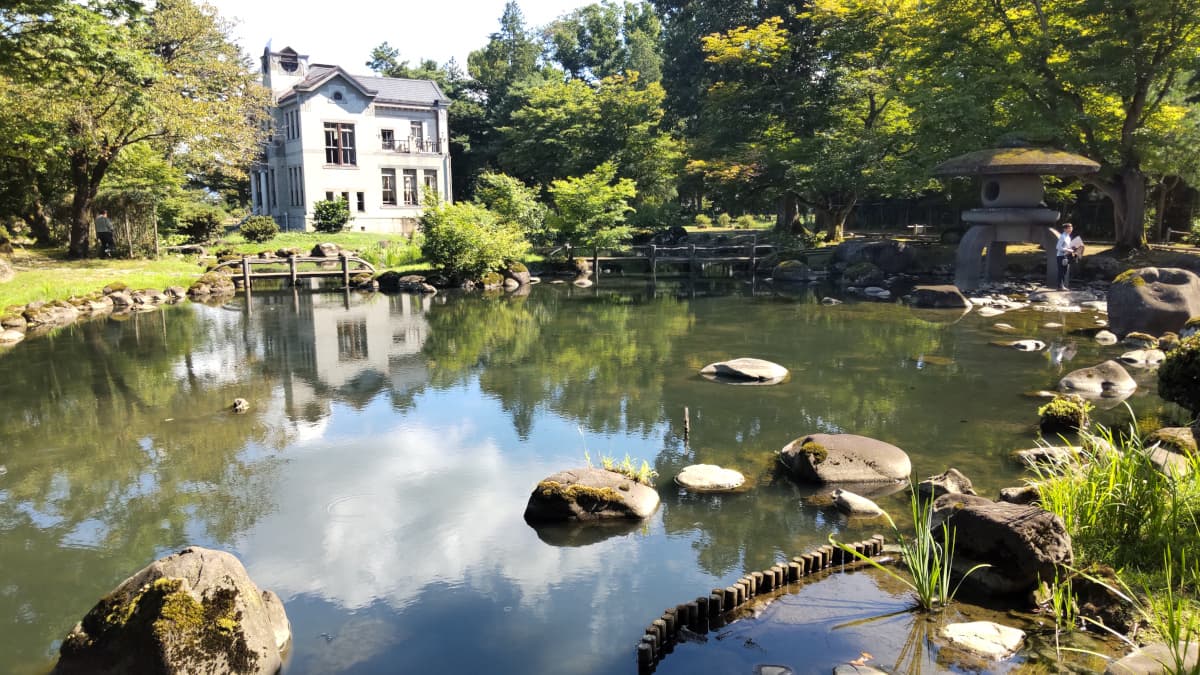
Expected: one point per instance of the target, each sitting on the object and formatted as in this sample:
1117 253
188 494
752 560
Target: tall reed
928 561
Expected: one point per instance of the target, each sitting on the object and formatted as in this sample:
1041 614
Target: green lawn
48 275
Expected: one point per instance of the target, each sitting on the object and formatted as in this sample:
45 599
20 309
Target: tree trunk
38 222
1128 194
787 213
85 180
832 220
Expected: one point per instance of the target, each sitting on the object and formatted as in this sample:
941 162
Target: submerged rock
1022 345
589 494
746 369
951 481
845 458
709 478
852 504
1143 358
985 638
196 611
1153 659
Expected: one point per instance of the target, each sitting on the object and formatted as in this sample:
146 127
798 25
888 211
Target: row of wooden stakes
711 611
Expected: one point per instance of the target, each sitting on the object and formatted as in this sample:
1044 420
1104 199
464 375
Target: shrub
1064 414
331 215
701 221
465 240
745 222
1179 375
724 220
258 229
203 224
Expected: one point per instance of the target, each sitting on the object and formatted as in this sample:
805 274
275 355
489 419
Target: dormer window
337 96
289 61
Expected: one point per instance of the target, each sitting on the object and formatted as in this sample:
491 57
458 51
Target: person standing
104 233
1067 249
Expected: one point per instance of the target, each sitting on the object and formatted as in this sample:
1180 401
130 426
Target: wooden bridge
346 267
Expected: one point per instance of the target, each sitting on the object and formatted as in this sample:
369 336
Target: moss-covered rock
1181 440
863 274
1064 414
491 280
1140 340
1179 375
115 287
590 494
212 283
1190 328
192 612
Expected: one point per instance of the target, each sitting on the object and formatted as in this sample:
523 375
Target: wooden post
128 235
687 424
345 269
292 268
653 260
246 273
753 254
596 263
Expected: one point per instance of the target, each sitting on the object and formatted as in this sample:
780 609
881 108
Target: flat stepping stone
853 504
709 478
746 370
984 638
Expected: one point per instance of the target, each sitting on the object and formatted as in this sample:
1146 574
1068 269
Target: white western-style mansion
379 142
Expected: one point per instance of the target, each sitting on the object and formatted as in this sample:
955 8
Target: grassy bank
47 275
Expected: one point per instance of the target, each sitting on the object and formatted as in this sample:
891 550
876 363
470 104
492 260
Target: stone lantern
1013 206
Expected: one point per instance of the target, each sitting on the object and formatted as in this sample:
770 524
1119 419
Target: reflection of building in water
323 345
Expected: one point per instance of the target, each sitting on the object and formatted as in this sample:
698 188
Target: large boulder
794 271
1106 379
1181 440
589 494
1024 544
394 282
325 249
1153 300
196 611
1155 659
945 296
845 458
889 255
745 369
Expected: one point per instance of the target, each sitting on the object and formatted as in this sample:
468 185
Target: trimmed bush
724 220
258 229
744 222
331 215
1179 375
701 220
203 225
465 240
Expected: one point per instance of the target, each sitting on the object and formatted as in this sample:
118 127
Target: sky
343 32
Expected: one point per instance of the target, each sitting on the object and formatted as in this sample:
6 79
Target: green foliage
724 220
465 240
331 215
928 561
390 255
744 222
1179 375
701 221
203 224
603 39
628 467
1118 507
259 229
590 210
513 202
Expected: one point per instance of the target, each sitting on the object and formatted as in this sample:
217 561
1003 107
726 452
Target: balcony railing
411 145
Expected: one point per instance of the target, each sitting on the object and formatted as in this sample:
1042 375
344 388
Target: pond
377 483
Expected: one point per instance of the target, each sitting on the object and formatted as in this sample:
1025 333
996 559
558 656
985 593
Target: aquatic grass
929 562
630 468
1118 507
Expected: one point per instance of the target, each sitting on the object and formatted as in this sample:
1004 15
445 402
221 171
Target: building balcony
414 145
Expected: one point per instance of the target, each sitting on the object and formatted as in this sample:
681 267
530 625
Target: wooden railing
347 266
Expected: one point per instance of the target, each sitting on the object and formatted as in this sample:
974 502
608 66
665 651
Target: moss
576 492
115 287
816 452
491 279
1193 322
517 267
1168 341
1178 439
1064 413
1130 277
860 269
1144 338
1179 375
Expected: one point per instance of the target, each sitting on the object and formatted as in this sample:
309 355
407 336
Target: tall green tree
1101 77
170 77
567 128
590 210
607 38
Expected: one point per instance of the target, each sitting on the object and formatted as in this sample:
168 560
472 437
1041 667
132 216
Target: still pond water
378 482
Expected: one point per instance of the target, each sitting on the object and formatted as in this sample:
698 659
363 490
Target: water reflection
379 480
